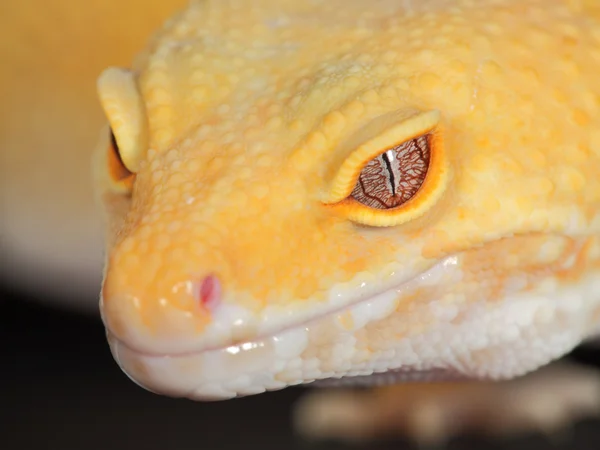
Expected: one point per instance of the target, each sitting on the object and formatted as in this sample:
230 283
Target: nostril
208 292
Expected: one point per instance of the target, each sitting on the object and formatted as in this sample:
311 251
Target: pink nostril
209 292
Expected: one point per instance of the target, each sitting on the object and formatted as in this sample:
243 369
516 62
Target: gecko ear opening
394 177
124 108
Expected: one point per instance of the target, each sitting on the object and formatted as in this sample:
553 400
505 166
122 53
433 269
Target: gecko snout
160 315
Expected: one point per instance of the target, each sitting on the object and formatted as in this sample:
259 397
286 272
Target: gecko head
281 226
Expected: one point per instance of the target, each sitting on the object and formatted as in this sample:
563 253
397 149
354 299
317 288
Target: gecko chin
431 327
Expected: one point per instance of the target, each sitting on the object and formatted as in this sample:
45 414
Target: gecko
352 192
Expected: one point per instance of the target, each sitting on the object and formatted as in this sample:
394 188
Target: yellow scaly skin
245 126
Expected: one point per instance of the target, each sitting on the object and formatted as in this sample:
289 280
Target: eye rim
120 176
125 111
430 191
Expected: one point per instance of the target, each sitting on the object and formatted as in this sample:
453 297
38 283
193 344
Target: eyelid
347 175
428 194
125 111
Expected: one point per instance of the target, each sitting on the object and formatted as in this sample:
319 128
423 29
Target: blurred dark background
61 389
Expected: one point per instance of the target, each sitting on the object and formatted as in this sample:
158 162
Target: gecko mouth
265 362
389 340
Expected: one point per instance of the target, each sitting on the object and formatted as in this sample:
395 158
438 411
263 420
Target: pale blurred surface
51 54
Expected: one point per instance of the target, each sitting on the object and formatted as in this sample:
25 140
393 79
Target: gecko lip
395 289
259 337
226 371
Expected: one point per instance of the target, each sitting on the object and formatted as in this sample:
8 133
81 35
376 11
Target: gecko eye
396 176
125 110
118 172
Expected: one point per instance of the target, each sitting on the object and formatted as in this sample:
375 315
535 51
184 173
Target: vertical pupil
388 157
